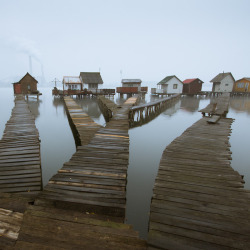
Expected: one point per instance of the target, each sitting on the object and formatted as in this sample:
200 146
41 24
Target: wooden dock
218 106
83 127
26 226
94 180
198 200
20 162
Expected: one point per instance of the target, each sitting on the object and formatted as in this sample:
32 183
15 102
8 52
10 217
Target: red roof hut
192 86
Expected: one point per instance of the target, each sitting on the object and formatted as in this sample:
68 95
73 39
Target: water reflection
34 106
190 104
172 109
240 104
90 106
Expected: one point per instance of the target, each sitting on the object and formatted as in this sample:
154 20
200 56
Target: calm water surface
146 142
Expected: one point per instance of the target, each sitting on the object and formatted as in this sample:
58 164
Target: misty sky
146 39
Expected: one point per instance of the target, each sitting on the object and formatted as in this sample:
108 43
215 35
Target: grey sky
147 39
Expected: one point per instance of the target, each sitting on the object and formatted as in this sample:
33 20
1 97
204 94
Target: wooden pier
20 162
94 180
26 226
217 107
198 200
144 113
83 127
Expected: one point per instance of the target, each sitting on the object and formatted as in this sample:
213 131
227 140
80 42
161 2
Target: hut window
175 86
241 85
28 87
226 84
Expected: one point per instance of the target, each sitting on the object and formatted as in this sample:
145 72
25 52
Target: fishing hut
131 87
26 86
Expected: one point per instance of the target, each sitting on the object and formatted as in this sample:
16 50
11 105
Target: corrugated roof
166 79
191 80
131 80
221 76
71 79
91 77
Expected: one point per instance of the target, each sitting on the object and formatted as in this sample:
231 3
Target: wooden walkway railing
107 107
20 163
144 113
94 180
198 199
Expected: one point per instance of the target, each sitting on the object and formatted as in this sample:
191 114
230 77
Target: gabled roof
91 77
166 79
221 76
71 79
27 74
244 78
191 80
131 80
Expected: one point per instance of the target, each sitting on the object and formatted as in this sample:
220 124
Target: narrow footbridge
94 180
199 200
20 163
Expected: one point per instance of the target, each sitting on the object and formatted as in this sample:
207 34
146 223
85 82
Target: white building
223 82
72 83
91 80
170 85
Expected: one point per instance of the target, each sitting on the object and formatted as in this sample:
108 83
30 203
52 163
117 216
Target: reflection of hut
240 104
34 106
27 85
189 103
173 109
192 86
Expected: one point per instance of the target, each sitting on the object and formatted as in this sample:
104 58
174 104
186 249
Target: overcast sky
146 39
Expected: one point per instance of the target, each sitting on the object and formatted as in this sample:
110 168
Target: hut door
17 88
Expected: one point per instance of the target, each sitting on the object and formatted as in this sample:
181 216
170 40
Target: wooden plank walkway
25 226
218 106
20 162
198 200
94 180
82 125
12 208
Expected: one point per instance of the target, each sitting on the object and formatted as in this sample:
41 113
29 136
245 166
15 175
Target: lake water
146 142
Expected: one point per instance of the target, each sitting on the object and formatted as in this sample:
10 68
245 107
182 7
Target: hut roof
244 78
191 80
166 79
91 77
71 79
221 76
131 80
27 74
